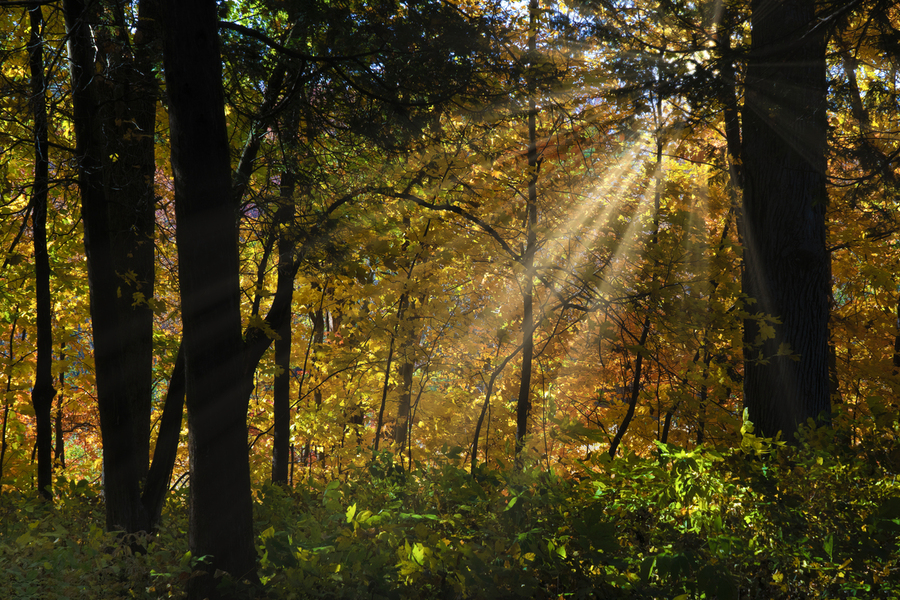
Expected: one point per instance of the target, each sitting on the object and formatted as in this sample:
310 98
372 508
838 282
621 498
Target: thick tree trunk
114 118
132 209
42 393
786 265
221 512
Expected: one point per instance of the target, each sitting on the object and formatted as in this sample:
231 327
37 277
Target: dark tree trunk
401 307
786 265
485 407
221 515
403 329
7 405
167 439
407 332
635 390
316 340
645 329
523 402
406 371
114 121
42 393
281 407
59 449
895 359
281 400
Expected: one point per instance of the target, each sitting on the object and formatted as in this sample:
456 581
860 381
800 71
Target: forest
449 299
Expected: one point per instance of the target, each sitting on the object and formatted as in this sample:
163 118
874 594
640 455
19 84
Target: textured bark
114 103
221 516
786 265
43 391
406 371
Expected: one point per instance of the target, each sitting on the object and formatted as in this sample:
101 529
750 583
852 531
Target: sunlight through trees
257 241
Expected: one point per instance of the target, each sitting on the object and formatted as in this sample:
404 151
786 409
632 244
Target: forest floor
762 520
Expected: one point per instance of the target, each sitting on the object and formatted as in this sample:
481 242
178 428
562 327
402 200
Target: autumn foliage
493 302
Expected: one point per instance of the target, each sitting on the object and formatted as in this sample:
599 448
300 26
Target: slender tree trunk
315 341
407 367
167 439
6 402
635 390
43 391
221 515
281 448
645 330
406 371
667 424
281 407
786 265
387 376
59 449
486 407
523 402
895 359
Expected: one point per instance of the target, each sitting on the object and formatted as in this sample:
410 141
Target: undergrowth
765 520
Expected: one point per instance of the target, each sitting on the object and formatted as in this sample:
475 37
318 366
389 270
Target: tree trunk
316 340
167 439
59 449
42 393
385 387
114 105
407 332
635 390
523 402
221 511
6 402
486 406
281 409
406 371
786 265
645 329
